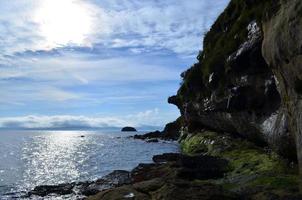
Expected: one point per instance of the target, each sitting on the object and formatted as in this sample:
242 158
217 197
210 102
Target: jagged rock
115 179
233 88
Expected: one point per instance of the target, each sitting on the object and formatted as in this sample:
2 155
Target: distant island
128 129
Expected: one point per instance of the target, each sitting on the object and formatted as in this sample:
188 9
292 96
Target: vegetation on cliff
250 166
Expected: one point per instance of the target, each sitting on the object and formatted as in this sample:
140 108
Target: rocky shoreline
212 166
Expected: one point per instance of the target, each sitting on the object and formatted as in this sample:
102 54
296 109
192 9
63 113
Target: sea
33 158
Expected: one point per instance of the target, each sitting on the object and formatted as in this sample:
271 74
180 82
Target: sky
97 63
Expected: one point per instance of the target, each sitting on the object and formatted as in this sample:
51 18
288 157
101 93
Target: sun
63 22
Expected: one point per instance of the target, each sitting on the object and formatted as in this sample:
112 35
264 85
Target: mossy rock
250 166
209 143
250 161
286 182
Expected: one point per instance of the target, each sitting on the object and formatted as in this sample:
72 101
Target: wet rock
115 179
44 190
118 177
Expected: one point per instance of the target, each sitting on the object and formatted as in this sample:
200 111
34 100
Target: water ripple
28 159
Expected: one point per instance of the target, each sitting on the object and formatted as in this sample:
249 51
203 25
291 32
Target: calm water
31 158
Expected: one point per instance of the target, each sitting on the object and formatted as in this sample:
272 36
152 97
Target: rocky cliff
247 80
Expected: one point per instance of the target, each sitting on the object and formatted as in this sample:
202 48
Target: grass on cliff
224 38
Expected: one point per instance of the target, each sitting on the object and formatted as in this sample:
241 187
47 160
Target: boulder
44 190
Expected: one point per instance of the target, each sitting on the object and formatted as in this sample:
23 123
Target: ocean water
32 158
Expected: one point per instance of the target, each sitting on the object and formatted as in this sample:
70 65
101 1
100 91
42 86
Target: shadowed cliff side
232 88
282 49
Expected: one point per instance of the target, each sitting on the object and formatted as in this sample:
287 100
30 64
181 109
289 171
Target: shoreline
87 185
210 166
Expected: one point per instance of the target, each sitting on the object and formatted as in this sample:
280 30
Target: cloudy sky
96 62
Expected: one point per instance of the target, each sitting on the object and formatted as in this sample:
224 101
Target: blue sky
97 63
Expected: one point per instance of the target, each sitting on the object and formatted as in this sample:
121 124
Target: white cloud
149 117
51 67
82 71
44 24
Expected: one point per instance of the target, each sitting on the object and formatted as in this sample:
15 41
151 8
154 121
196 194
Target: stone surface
115 179
283 53
246 79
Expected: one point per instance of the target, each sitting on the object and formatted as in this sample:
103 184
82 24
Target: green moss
276 182
251 161
250 166
207 142
194 145
244 157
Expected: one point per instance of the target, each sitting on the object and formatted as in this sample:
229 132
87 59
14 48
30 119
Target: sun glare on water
63 22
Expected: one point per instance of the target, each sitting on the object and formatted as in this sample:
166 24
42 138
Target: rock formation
247 80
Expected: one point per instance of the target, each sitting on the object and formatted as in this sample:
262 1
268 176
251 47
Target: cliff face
248 77
282 50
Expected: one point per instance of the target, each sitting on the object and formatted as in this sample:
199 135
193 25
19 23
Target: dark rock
44 190
170 132
115 179
245 77
158 189
118 177
282 51
151 135
153 140
195 167
202 167
166 157
145 172
128 129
